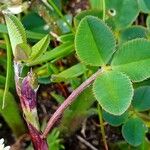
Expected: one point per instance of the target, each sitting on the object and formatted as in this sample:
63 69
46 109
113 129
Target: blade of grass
55 54
60 14
104 10
8 74
11 114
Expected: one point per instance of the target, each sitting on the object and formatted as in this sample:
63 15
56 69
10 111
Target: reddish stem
68 102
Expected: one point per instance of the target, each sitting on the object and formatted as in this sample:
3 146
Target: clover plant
113 56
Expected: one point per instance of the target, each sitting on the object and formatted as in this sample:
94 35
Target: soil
92 136
5 132
76 6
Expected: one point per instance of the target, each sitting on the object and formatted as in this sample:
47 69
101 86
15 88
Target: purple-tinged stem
27 92
38 142
68 102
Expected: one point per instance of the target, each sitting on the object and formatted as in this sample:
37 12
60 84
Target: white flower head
16 9
2 146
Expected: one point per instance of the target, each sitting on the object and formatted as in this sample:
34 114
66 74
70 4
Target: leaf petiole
69 101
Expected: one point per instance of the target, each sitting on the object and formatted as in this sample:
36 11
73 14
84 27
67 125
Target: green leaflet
144 6
39 48
91 42
121 13
11 114
16 31
141 99
132 32
113 90
133 58
133 131
115 120
70 73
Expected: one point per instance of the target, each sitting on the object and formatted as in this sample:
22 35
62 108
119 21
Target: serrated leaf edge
123 132
13 21
131 96
122 47
83 61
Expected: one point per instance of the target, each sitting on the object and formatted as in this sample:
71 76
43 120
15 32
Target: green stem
102 126
104 10
143 116
9 64
60 14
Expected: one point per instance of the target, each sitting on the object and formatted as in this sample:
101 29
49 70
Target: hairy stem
9 69
102 127
68 102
